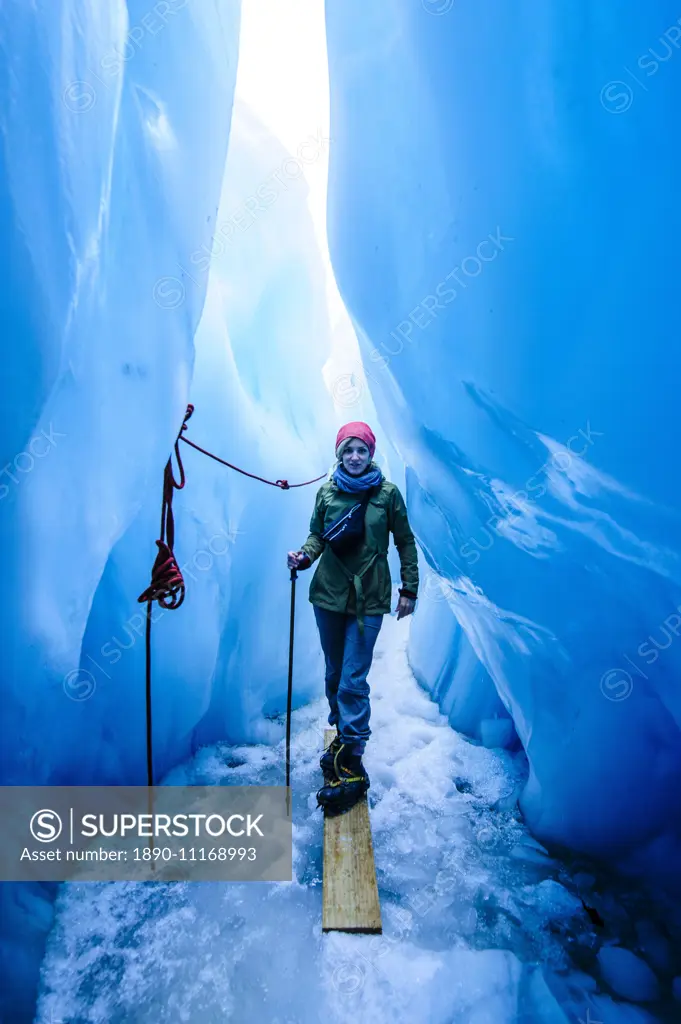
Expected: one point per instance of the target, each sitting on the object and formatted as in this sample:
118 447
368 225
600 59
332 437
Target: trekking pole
294 573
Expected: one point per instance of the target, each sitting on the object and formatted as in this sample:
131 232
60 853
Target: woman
350 593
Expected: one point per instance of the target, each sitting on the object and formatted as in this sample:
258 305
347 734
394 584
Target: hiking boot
349 785
348 767
327 758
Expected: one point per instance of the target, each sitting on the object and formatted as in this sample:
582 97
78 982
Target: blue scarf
371 476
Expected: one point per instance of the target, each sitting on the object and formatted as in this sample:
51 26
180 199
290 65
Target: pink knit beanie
357 429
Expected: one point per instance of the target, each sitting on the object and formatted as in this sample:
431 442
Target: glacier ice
122 187
503 234
628 975
469 933
261 333
110 173
503 230
182 279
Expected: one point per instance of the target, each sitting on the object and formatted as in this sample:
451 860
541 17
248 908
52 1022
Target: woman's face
356 457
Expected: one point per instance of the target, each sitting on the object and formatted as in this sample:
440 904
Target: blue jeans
348 660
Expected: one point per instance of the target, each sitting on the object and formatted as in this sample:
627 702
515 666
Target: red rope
284 484
167 584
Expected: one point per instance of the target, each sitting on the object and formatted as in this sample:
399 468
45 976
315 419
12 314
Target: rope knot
187 417
167 584
284 484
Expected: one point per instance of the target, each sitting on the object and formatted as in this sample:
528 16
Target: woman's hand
405 606
295 558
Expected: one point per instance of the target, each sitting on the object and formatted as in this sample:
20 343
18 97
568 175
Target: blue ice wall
220 662
503 225
111 176
114 124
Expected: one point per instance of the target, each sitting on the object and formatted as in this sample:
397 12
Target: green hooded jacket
360 583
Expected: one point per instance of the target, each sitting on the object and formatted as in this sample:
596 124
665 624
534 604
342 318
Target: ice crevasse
502 230
110 176
132 199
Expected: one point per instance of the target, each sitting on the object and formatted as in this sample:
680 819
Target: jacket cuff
407 593
305 562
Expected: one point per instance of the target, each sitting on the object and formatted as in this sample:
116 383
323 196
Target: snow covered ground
481 926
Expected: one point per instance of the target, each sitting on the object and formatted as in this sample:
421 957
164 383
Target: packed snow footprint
478 928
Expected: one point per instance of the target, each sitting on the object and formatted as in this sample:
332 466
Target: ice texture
471 935
503 231
503 226
111 168
628 975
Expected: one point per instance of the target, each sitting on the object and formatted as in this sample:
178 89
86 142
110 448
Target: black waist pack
347 531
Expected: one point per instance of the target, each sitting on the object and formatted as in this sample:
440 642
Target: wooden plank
350 893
